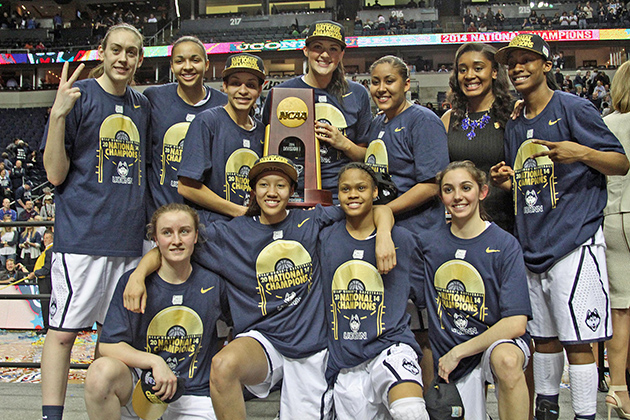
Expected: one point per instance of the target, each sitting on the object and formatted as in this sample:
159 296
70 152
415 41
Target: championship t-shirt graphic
461 303
172 147
237 175
177 330
357 300
282 268
535 180
119 151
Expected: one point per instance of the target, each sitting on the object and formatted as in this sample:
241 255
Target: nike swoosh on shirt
136 106
303 221
347 94
553 122
490 251
399 129
204 291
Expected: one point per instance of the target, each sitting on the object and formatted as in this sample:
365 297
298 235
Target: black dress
485 150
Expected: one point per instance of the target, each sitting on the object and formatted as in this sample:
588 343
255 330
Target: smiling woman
222 144
173 107
481 105
105 115
342 108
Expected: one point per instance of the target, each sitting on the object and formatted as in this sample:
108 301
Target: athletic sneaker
547 410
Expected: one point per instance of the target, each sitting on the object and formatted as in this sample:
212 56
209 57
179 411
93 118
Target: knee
224 370
507 368
100 379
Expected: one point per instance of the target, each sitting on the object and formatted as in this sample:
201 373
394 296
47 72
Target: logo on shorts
53 308
411 366
593 319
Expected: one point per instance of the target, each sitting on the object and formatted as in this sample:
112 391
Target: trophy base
313 197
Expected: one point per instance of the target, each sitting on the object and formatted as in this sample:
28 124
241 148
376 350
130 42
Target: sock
548 369
584 390
52 412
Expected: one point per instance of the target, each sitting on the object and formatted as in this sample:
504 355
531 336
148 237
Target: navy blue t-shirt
352 118
102 199
219 153
170 118
560 206
179 324
417 149
470 285
273 276
365 311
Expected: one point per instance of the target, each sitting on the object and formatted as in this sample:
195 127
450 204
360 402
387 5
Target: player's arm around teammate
373 361
127 336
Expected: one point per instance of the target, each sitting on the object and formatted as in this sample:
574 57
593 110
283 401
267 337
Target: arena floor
20 396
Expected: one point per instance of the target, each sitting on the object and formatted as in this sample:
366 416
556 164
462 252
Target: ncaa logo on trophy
291 134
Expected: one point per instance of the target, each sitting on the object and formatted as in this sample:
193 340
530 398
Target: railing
160 37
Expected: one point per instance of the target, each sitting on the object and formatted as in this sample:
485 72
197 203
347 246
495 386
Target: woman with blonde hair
617 234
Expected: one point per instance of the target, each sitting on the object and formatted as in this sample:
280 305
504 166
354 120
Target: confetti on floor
26 346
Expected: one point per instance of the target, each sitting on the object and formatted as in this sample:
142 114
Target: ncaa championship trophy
291 133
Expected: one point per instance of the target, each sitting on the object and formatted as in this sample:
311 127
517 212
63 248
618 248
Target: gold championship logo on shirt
281 267
292 112
357 293
177 330
533 177
237 175
119 143
328 30
172 147
376 156
461 294
245 61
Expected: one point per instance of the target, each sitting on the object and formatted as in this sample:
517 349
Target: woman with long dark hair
481 105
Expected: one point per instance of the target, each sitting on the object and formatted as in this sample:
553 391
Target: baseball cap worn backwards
272 163
528 42
326 30
244 62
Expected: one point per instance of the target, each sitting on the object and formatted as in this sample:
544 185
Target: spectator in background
47 211
22 195
573 19
544 22
30 246
564 19
578 80
41 271
17 175
499 19
6 209
9 240
29 211
13 272
7 162
5 184
559 76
